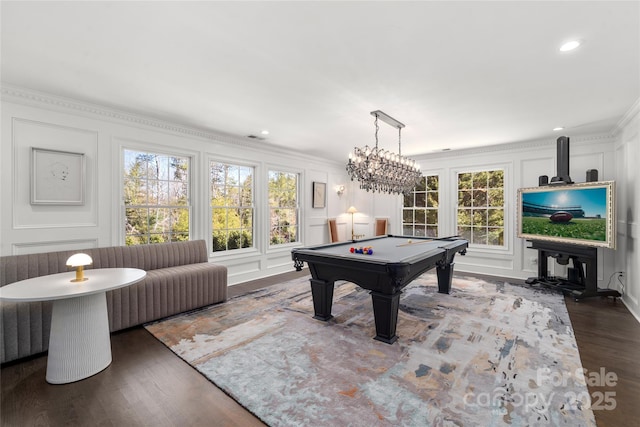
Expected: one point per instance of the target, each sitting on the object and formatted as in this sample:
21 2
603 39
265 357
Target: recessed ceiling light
570 45
558 128
265 132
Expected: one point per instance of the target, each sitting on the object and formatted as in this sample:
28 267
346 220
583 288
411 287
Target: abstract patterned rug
488 354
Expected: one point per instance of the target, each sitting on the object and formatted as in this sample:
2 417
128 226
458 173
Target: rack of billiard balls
367 250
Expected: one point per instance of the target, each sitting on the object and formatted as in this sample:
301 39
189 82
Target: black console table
578 284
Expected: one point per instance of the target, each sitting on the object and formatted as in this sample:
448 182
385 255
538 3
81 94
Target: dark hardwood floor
148 385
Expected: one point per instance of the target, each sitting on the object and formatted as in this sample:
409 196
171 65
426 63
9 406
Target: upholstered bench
179 278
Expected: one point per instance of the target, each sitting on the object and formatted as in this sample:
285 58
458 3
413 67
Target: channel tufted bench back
179 278
145 257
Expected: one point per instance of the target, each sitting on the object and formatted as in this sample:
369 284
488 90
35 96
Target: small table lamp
79 261
352 210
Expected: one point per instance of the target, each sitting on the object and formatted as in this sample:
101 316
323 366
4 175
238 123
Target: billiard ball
352 250
409 241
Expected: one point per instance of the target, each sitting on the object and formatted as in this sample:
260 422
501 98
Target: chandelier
381 170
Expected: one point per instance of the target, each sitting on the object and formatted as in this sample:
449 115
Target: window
231 206
156 197
420 211
283 207
481 207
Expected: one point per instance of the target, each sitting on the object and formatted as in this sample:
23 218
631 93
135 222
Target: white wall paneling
627 178
30 119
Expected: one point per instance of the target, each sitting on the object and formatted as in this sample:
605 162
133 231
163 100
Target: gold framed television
578 214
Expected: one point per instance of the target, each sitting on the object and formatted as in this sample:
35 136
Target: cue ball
409 241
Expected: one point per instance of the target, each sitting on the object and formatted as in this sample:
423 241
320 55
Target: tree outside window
481 207
283 207
156 197
232 209
420 210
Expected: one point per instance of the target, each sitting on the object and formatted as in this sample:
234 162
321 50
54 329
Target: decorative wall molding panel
28 134
58 245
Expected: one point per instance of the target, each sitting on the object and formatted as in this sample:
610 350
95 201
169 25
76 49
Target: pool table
394 263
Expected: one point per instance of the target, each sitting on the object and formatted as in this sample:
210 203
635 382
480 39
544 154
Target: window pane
496 217
163 193
465 198
246 196
480 179
479 236
421 216
496 236
407 216
432 217
408 200
465 232
233 196
432 183
496 179
137 221
432 199
496 197
479 217
219 219
180 221
464 181
219 241
464 217
421 200
479 198
178 195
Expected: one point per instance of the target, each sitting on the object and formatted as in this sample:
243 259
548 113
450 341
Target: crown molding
626 119
519 146
11 93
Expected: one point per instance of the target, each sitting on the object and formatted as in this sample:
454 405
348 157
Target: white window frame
142 147
256 235
507 246
438 209
299 203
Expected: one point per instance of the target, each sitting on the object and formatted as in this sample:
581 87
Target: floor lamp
352 210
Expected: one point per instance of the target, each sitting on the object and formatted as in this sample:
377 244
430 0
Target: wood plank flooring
147 385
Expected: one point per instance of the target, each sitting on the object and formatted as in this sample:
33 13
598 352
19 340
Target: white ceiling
457 74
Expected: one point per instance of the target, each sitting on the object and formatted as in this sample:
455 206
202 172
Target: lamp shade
78 260
352 210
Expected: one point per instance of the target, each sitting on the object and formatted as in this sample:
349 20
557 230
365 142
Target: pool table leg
445 276
322 292
385 312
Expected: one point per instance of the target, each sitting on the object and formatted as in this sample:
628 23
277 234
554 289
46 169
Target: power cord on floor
618 274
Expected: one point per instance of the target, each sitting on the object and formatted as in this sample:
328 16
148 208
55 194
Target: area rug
488 354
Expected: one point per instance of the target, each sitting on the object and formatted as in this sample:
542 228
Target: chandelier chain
375 122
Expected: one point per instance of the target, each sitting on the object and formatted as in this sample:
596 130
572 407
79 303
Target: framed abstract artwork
57 177
319 194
